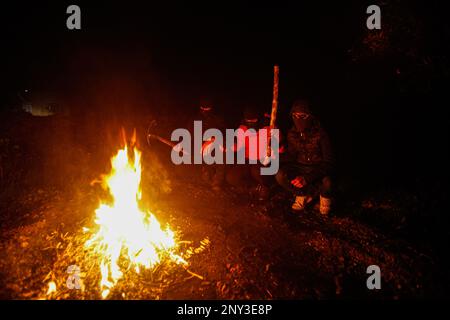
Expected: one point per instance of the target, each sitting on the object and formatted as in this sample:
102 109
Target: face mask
302 125
205 114
251 124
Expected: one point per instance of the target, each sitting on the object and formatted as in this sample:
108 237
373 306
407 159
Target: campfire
127 234
119 249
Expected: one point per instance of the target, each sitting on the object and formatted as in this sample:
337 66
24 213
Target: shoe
299 203
325 206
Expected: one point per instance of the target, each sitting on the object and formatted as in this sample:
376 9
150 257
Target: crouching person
308 164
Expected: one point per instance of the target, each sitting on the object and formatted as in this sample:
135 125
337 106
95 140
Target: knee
255 172
327 185
281 177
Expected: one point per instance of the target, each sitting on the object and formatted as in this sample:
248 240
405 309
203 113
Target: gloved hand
299 182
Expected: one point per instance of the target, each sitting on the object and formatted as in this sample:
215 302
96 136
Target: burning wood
124 230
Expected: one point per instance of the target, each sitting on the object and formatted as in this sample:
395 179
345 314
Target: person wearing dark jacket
213 174
308 163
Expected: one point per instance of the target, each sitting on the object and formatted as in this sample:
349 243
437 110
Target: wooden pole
273 115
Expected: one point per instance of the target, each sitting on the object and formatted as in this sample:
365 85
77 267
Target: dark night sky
173 55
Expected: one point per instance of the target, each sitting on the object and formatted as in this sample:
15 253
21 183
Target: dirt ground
245 249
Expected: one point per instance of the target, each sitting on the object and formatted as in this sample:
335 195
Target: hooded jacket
311 148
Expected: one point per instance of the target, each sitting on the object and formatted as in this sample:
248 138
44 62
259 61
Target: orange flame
124 231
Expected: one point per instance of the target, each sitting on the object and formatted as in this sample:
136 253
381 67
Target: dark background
381 95
382 99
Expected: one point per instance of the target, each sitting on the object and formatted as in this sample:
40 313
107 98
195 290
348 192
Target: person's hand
178 148
207 148
266 160
299 182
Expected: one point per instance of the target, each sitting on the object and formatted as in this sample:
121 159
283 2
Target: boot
325 205
299 203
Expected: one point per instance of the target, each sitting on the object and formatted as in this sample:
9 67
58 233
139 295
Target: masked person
247 178
309 161
213 174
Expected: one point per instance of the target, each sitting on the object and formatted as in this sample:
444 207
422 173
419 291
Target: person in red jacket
247 177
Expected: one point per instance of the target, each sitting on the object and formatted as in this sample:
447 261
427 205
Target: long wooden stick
163 140
273 115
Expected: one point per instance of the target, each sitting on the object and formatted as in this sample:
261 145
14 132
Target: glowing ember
124 231
51 288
